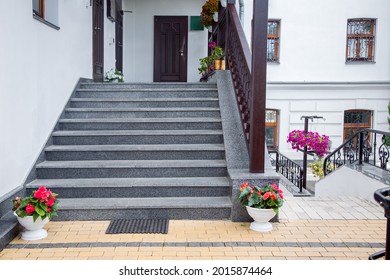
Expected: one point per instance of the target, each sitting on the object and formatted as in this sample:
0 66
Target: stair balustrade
366 146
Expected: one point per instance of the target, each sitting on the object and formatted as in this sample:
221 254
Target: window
271 128
355 120
273 40
46 12
39 8
360 40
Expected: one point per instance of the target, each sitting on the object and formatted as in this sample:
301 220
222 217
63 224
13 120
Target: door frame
156 57
98 40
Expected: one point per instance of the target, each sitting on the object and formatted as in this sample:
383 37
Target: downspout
241 11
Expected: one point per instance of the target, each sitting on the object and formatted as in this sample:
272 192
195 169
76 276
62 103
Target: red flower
48 210
42 194
30 209
273 196
259 193
266 195
17 205
244 186
281 195
51 201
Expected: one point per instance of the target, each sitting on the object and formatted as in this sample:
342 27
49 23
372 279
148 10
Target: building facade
310 72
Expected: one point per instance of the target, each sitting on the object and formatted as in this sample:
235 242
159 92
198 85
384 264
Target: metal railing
366 146
288 168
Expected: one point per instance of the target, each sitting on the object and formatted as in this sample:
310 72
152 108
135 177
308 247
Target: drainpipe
241 3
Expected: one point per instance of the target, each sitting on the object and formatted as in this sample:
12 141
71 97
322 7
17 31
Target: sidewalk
309 228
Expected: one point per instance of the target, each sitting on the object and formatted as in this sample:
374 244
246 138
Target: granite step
105 137
141 124
171 86
136 187
86 113
146 93
135 152
192 208
130 169
143 102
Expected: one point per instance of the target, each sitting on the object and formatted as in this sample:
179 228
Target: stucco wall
139 31
326 100
313 39
39 68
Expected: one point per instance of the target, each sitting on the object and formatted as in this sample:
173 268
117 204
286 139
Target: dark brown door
170 48
98 40
119 36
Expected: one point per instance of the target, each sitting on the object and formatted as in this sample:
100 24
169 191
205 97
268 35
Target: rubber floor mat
138 226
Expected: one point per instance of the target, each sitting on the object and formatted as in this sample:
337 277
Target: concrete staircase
138 151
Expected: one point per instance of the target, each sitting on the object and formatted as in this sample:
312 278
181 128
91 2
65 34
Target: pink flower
266 195
30 209
48 210
244 186
281 195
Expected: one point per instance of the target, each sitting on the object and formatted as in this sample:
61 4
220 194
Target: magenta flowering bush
318 144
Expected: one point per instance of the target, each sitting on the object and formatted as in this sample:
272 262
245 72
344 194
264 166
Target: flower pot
219 64
223 3
33 230
215 16
261 219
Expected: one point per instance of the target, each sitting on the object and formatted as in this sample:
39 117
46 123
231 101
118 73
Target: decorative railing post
361 145
259 83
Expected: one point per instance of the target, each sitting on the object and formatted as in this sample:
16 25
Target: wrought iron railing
288 168
366 146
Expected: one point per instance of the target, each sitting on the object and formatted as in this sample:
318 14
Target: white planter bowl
33 230
261 219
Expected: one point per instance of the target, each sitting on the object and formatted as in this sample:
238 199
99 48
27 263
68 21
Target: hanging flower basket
316 144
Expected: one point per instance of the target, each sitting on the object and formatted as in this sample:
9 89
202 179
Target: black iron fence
288 168
366 146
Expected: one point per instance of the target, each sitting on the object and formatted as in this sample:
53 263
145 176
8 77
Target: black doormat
138 226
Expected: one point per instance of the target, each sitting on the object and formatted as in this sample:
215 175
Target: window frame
356 126
274 125
276 38
41 12
357 37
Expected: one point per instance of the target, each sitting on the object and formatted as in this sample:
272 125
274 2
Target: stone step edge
132 182
145 203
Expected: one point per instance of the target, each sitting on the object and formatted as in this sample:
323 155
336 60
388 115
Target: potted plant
218 56
35 211
262 204
206 67
209 8
114 76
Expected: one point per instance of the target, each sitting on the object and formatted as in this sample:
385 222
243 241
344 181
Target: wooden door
98 40
119 36
170 48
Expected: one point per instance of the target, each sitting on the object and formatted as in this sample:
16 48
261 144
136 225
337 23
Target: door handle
181 51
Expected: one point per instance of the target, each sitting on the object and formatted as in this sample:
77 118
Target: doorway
170 48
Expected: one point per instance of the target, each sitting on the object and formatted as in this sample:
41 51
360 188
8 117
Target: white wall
139 33
326 100
39 68
313 39
346 182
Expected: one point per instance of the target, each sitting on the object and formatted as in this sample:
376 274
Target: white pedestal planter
261 219
223 3
33 230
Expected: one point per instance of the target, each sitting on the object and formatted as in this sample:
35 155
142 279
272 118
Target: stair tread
118 89
132 164
145 203
159 147
132 182
135 132
148 109
141 120
163 99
